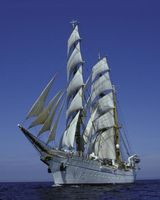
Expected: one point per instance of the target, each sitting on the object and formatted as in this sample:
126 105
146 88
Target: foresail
47 124
69 134
42 117
53 130
38 106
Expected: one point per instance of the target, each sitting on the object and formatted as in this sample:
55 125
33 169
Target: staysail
53 129
44 114
41 118
39 103
47 124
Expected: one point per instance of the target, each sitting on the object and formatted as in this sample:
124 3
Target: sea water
141 190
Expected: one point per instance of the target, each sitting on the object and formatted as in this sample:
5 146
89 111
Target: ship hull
78 170
68 168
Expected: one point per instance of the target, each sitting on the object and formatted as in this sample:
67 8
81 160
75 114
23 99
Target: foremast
75 81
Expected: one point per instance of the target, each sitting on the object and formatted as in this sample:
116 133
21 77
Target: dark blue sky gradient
33 37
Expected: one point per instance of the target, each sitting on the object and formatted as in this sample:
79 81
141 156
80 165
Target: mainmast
102 128
75 84
118 156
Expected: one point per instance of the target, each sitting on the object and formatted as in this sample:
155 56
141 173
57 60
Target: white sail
76 82
38 106
99 68
105 103
89 126
74 59
105 145
101 85
76 103
47 124
69 134
105 121
73 37
90 148
85 89
64 140
41 118
52 134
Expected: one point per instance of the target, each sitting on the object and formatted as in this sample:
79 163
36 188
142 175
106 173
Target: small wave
56 185
75 186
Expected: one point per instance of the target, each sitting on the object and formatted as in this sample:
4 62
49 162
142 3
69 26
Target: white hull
79 170
82 171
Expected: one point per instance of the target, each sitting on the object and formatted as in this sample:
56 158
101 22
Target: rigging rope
125 129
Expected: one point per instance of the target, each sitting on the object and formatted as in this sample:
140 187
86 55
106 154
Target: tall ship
92 149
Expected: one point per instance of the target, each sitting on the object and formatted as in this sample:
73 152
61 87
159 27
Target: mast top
74 23
99 56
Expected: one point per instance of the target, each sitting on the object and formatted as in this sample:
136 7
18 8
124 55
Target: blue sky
33 37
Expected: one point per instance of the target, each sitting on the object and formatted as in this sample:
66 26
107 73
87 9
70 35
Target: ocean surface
148 190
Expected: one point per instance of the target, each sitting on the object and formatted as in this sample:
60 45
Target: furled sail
69 134
38 106
47 124
41 118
